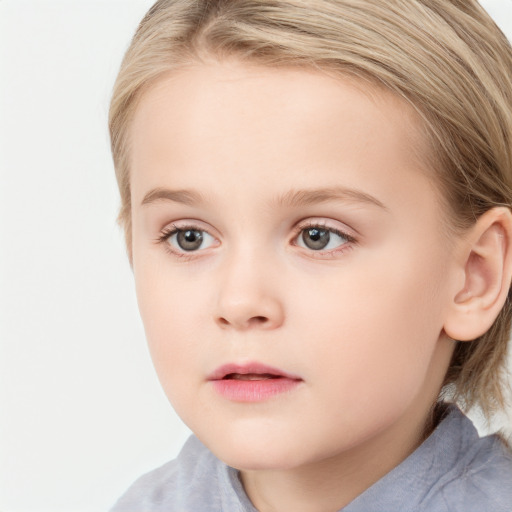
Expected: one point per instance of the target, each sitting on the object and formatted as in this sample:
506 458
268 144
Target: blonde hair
446 58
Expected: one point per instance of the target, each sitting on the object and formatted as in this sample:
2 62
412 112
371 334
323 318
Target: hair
446 58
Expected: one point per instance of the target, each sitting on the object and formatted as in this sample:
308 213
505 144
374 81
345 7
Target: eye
319 238
188 239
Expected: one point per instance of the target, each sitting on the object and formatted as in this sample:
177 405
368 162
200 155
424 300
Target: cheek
375 328
171 311
170 316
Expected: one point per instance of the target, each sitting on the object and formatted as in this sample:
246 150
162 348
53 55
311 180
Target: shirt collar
405 486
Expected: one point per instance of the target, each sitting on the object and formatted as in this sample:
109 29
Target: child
316 197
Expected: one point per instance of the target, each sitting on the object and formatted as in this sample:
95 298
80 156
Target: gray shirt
452 471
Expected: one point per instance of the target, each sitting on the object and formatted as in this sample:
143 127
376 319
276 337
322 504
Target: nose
248 297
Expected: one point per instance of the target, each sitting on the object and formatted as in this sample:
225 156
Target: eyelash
170 231
349 244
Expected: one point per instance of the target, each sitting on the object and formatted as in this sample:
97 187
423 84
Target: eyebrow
188 197
291 199
298 198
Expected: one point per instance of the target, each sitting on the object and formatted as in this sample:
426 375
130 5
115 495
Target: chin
247 458
252 451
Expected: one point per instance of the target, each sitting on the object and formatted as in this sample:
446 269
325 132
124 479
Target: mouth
250 372
251 376
252 382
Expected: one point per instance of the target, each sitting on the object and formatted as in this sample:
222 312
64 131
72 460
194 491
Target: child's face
322 256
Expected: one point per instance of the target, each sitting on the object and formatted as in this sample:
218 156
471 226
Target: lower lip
253 390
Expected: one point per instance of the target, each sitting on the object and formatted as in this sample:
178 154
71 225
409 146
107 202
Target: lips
249 371
253 382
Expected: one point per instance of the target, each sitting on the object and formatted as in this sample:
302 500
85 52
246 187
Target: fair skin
359 322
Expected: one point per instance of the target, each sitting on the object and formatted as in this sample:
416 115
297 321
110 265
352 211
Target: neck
331 484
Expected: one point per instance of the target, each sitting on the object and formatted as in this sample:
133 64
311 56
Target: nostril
251 322
258 319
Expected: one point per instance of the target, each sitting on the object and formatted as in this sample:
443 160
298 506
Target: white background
81 411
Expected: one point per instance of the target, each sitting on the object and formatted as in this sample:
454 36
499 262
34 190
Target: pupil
315 235
316 239
190 240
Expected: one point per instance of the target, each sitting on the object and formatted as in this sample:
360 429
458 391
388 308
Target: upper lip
246 368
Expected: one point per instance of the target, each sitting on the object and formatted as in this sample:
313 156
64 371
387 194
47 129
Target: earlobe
487 275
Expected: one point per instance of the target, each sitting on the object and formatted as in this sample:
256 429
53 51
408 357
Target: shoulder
454 470
484 482
190 482
481 480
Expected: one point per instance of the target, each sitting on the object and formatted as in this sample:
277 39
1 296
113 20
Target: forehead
209 119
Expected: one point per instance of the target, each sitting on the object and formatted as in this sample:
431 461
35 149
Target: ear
487 270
